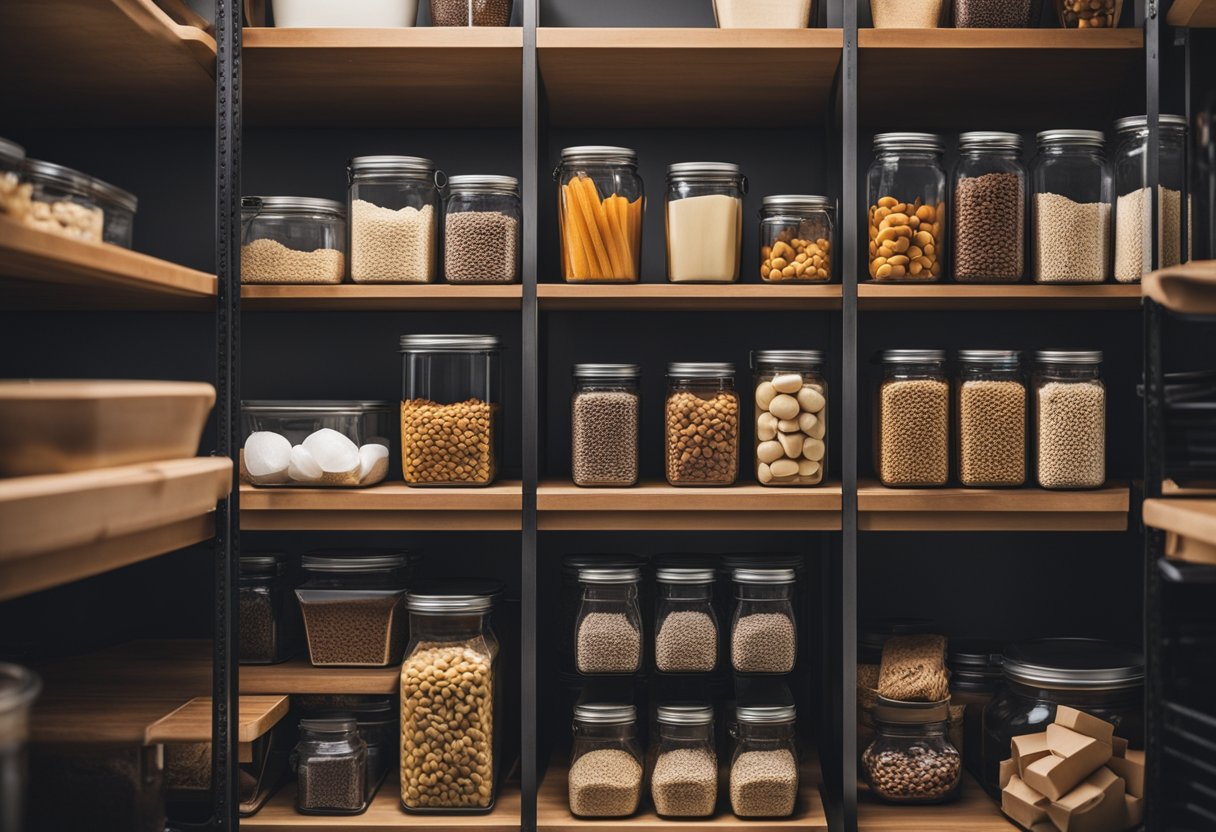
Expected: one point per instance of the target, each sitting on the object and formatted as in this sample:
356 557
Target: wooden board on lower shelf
972 811
1189 526
889 296
380 297
299 676
675 297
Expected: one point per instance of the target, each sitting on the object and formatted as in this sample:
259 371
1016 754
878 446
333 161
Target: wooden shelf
563 506
1189 526
991 509
471 77
672 297
1197 14
688 77
1189 289
973 811
298 676
882 297
390 506
192 721
350 297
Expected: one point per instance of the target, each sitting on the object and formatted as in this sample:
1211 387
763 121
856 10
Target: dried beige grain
389 246
992 433
914 432
269 261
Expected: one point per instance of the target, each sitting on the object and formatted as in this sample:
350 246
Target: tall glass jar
352 605
989 209
686 627
292 239
570 600
449 745
912 420
482 218
330 762
600 198
701 419
906 192
763 629
608 632
605 779
19 688
764 762
451 410
704 222
684 783
62 202
791 416
605 411
471 12
267 620
1070 211
911 760
394 217
991 407
1070 418
796 233
118 227
1132 206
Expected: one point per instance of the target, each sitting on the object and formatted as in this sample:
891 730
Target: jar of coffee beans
684 782
906 189
991 417
764 762
791 413
608 632
604 415
912 448
481 229
989 208
686 628
764 631
911 760
702 424
605 779
1070 419
470 12
330 762
269 630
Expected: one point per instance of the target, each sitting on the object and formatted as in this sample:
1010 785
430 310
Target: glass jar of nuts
608 631
991 408
62 201
912 444
796 238
764 762
605 779
906 191
911 760
791 412
1070 418
989 208
1089 14
702 424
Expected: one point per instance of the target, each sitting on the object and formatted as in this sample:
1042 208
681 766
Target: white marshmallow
333 451
267 455
303 467
369 455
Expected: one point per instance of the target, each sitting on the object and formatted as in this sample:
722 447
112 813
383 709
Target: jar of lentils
686 627
608 632
604 416
1070 211
600 199
481 230
989 208
991 408
1070 419
906 191
605 779
394 218
763 629
791 413
764 762
912 446
684 783
702 424
911 760
796 232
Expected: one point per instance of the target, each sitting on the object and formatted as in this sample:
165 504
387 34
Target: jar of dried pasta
600 197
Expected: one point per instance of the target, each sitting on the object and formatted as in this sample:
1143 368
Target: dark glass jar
379 725
911 760
975 672
268 623
330 762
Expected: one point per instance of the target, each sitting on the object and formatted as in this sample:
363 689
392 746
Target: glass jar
119 206
912 420
1070 419
975 672
315 443
352 606
917 14
684 783
1100 678
451 645
330 762
19 688
1070 212
482 217
780 14
906 188
471 12
991 419
701 424
14 194
995 14
763 629
600 200
267 622
791 417
62 202
796 233
764 762
605 779
989 209
704 222
379 725
1132 206
605 411
608 631
451 411
393 205
292 239
1081 14
571 598
686 628
911 760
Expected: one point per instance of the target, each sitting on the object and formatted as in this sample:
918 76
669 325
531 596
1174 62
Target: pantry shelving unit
879 297
380 298
666 297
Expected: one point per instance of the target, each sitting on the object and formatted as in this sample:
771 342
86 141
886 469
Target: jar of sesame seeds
1070 419
393 205
481 228
991 417
912 444
608 632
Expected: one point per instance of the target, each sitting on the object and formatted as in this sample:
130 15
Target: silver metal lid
1074 664
807 202
12 152
450 598
696 170
480 184
335 408
763 576
989 356
899 712
595 575
606 713
262 561
599 153
791 357
766 714
996 139
333 561
448 343
115 195
701 369
684 575
19 687
392 164
60 175
909 141
1089 138
913 356
691 713
1165 120
303 204
1068 356
606 371
330 725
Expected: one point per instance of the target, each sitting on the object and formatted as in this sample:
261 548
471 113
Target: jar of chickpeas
796 238
906 188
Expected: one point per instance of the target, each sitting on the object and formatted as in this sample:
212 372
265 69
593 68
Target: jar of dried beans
791 416
906 189
330 762
684 782
605 779
702 424
600 199
912 446
268 619
796 233
686 628
394 218
704 222
470 12
992 412
911 760
1134 198
989 208
1070 419
763 629
1070 210
764 762
292 239
481 230
450 409
1089 14
608 631
604 416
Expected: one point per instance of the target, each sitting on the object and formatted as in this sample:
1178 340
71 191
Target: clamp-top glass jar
1133 206
912 419
1070 418
989 209
911 760
991 407
763 629
482 218
608 632
605 778
791 414
600 198
906 188
704 222
394 217
686 627
1070 212
118 227
796 233
63 202
764 762
684 783
701 424
268 621
605 411
292 239
330 762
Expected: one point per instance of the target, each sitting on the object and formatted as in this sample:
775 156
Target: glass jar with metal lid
292 239
989 209
330 762
1134 199
1070 418
684 783
451 409
975 673
63 201
704 222
911 760
608 630
912 420
482 218
1085 14
686 627
315 443
19 687
764 762
605 779
796 234
1070 210
571 598
1098 677
471 12
906 192
600 199
119 206
701 419
763 628
394 218
605 412
379 721
268 620
991 418
791 417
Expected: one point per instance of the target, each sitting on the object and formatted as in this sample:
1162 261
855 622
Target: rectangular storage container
315 443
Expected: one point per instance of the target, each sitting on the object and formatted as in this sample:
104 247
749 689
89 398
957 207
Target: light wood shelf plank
1189 526
671 297
299 676
192 721
1196 14
353 297
972 811
1023 296
1188 289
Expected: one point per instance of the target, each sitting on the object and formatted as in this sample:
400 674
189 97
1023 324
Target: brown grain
447 443
992 433
914 432
702 438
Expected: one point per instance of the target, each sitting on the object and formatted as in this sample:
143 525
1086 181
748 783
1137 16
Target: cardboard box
1074 757
1097 805
1135 810
1131 768
1028 748
1086 724
1118 746
1008 769
1022 803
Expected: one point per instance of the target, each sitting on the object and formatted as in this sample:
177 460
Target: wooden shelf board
972 811
872 296
671 297
1188 289
563 506
991 509
192 721
298 676
380 297
688 77
1197 14
1189 526
470 77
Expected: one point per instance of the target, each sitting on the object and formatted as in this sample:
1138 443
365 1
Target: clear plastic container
292 239
995 14
379 720
1081 14
451 411
991 407
19 688
394 218
571 598
600 197
482 217
605 411
764 14
911 760
14 193
912 420
791 417
605 779
1134 199
686 627
764 629
63 202
907 14
315 443
1070 209
1070 418
471 12
704 222
684 782
906 188
119 206
989 209
701 424
796 233
352 604
330 762
268 618
764 762
608 631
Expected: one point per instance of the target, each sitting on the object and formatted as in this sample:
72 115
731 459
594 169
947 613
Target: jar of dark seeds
604 416
764 762
608 633
991 417
267 622
378 718
764 635
481 226
912 760
989 208
330 762
1070 418
605 779
470 12
684 783
686 628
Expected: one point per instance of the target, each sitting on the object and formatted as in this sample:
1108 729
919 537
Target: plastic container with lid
912 420
989 191
315 443
686 626
608 630
268 620
119 207
796 234
704 222
292 239
764 762
393 206
63 202
605 412
991 435
19 688
1070 418
791 417
1070 209
911 760
1133 202
701 422
482 218
330 762
324 14
764 629
378 719
600 197
1084 14
471 12
605 778
906 188
684 782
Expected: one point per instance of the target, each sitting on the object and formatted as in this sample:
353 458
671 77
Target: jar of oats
292 239
702 424
991 418
608 630
605 779
764 762
1070 418
912 445
394 218
791 412
604 415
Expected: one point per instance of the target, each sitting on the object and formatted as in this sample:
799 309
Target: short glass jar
379 723
763 628
686 627
1070 419
393 206
796 233
315 443
352 603
330 762
267 617
911 760
995 14
701 424
764 762
608 632
1134 199
605 779
471 12
704 222
1081 14
63 202
605 412
1070 210
600 198
19 688
571 597
991 410
791 417
906 191
747 14
684 783
118 227
989 209
292 239
482 218
912 448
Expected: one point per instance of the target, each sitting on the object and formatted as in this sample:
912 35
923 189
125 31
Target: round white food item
784 468
806 422
303 467
766 427
791 443
764 394
369 455
807 467
764 473
813 449
818 429
769 451
784 406
333 451
787 383
788 426
267 454
811 400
